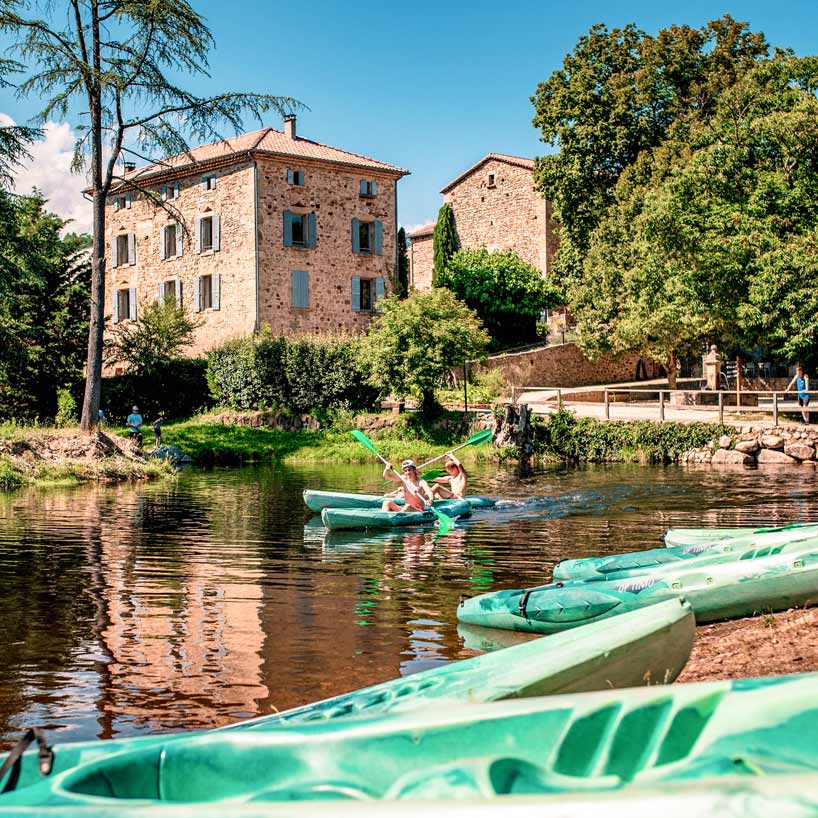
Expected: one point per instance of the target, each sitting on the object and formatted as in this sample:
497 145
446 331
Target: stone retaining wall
270 419
751 446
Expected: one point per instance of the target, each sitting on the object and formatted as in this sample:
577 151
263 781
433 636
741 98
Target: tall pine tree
402 283
445 241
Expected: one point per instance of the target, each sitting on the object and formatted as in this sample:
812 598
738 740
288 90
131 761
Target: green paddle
476 439
445 523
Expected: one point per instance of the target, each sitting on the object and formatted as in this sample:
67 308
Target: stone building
495 206
265 228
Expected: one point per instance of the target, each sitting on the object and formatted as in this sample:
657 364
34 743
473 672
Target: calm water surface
213 597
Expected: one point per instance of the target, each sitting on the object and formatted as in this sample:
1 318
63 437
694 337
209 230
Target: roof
265 141
422 232
519 161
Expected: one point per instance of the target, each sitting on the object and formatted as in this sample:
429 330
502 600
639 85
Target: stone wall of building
232 200
421 261
496 207
332 193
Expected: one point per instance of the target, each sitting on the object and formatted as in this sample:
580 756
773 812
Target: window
170 292
170 191
122 248
209 182
295 177
491 182
299 229
206 233
366 293
122 202
207 294
172 240
124 305
368 188
364 237
298 233
367 237
300 288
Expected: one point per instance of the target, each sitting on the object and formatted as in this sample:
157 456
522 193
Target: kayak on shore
719 591
317 501
695 536
636 649
714 733
335 519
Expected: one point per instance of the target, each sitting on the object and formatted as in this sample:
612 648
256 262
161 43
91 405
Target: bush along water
562 436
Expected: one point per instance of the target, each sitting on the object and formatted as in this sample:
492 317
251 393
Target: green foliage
414 343
43 308
402 281
178 388
485 386
444 242
564 436
161 333
10 476
66 409
620 93
506 293
299 374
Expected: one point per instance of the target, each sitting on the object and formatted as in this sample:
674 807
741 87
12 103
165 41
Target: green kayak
649 737
719 591
317 501
335 519
619 566
634 649
696 536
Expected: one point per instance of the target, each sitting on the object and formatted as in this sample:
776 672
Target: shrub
67 414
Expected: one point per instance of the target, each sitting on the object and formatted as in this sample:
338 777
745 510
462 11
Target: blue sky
427 86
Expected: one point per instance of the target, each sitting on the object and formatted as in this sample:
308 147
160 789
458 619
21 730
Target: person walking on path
134 424
801 384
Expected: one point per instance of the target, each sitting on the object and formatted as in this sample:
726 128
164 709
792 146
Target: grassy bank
563 436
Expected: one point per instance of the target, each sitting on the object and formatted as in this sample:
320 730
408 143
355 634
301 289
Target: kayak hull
317 501
692 536
338 519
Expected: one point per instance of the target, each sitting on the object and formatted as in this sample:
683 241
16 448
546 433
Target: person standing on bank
157 429
134 424
801 384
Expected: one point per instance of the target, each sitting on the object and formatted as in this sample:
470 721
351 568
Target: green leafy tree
444 241
402 283
161 334
619 93
506 293
416 342
119 61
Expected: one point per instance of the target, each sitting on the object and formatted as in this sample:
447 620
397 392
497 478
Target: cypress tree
402 283
445 241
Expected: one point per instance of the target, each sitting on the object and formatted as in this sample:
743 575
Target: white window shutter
162 242
178 292
374 188
198 235
116 203
164 192
161 294
132 304
213 183
204 182
131 248
179 237
197 294
217 234
115 308
175 190
115 251
217 291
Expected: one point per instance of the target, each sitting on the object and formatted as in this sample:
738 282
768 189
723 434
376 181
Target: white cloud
49 171
410 228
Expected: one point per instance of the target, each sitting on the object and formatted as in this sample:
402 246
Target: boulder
171 453
771 457
800 451
725 442
772 441
732 456
748 446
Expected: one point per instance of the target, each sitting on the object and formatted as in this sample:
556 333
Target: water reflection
213 597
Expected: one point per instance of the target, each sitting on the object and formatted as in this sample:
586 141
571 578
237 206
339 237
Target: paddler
453 483
416 492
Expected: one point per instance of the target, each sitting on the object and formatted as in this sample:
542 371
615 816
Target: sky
428 86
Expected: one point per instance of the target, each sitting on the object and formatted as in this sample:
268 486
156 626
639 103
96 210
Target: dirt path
767 645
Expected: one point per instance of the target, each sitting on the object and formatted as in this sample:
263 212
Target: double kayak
718 591
748 546
336 519
635 649
317 501
696 536
707 734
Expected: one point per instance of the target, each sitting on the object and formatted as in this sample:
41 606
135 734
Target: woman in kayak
416 492
453 484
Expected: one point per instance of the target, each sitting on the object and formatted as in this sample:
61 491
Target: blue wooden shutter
115 251
197 294
128 201
290 177
115 308
356 293
300 289
132 303
374 188
356 236
362 187
179 238
204 182
380 292
288 229
131 248
164 191
378 250
175 190
311 230
217 233
216 289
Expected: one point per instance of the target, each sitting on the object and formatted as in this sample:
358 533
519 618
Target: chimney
129 166
289 126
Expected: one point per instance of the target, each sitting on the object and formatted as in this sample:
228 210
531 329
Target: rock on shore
762 446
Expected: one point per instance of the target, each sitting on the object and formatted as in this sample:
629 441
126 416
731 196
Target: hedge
297 374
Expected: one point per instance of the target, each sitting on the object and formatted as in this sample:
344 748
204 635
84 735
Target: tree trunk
671 370
428 405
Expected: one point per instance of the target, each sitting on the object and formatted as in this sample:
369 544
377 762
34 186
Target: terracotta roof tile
519 161
422 232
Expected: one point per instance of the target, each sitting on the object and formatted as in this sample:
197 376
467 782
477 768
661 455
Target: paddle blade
432 474
364 441
444 523
477 438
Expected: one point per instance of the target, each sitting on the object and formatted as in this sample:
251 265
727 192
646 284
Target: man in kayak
453 484
416 492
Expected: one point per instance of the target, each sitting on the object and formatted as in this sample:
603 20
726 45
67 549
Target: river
209 598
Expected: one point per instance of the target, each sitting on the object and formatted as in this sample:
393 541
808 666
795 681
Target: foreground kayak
619 566
721 591
317 501
593 742
639 648
335 519
695 536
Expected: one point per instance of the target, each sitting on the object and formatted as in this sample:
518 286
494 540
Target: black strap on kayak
45 760
523 603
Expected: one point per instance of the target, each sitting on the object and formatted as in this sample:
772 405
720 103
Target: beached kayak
317 501
696 536
593 742
748 546
639 648
720 591
335 519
